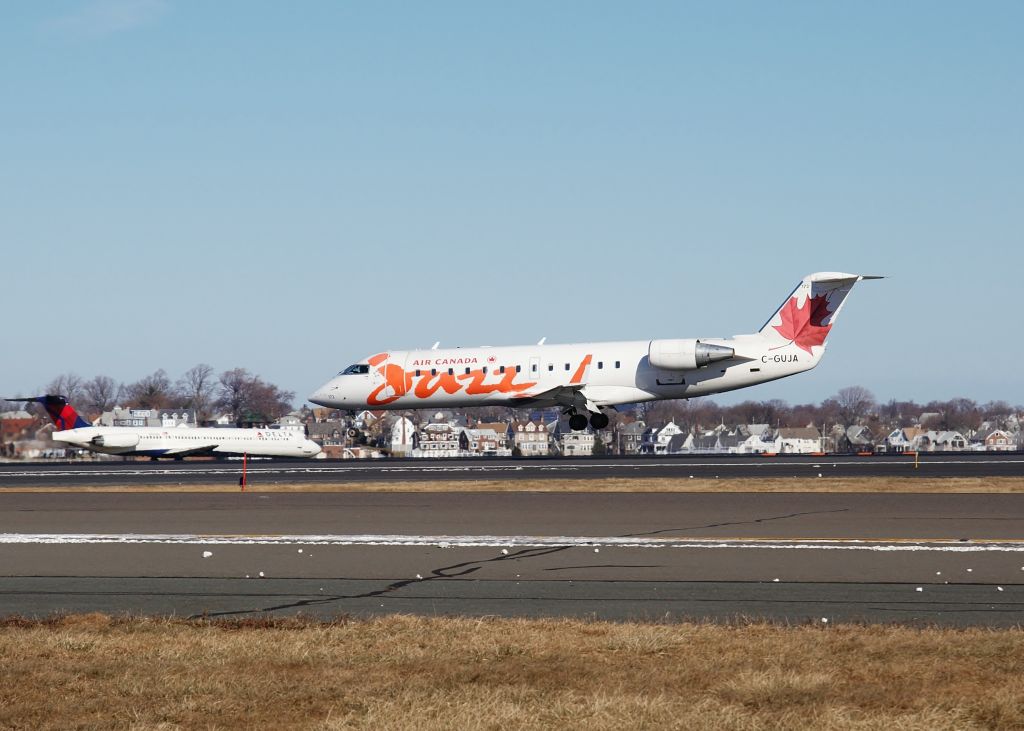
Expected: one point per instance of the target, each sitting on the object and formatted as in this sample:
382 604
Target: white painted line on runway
514 542
487 467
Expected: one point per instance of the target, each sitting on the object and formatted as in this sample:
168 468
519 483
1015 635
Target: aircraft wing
194 452
568 396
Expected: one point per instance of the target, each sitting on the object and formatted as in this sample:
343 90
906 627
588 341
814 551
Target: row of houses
451 435
915 439
743 439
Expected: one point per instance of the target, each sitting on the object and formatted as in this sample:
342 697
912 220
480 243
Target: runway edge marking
488 541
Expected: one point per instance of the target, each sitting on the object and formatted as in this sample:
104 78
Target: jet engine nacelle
116 441
686 355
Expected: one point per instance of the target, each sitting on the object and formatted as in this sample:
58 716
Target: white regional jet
176 442
584 379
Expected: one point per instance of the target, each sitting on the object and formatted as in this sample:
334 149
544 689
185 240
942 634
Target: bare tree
99 394
958 413
250 399
853 403
150 392
196 388
68 385
997 413
267 402
232 391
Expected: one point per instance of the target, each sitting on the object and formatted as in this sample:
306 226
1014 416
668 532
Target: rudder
806 317
61 412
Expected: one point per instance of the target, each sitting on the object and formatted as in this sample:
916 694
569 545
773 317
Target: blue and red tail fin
63 414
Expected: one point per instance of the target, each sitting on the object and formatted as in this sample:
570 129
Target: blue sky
290 187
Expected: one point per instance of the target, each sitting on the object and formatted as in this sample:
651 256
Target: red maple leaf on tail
802 325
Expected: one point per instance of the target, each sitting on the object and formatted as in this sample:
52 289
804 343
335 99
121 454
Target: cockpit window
357 369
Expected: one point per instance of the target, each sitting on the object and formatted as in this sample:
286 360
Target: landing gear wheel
599 420
577 422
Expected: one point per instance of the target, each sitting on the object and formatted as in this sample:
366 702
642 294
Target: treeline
248 398
237 392
855 405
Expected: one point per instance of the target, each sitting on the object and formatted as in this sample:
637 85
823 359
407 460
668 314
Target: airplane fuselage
611 373
155 441
586 378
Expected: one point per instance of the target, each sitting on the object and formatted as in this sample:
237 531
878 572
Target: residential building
630 437
855 438
940 441
329 433
900 440
366 418
656 439
501 435
14 423
484 442
530 438
292 423
403 437
680 444
577 443
438 439
797 440
166 418
758 439
994 440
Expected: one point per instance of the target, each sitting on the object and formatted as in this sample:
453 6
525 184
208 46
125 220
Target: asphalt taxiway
282 472
951 559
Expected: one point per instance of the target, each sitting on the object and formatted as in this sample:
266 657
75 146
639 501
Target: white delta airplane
175 442
585 379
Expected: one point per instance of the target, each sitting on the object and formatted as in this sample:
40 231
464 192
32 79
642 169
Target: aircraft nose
321 395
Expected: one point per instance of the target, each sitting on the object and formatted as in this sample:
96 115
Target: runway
951 559
281 472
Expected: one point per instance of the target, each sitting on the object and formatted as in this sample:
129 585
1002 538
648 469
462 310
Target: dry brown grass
615 484
407 672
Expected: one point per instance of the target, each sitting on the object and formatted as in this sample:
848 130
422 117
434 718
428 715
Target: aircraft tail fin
63 414
807 315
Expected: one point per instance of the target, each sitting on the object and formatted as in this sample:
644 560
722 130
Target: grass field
665 484
403 672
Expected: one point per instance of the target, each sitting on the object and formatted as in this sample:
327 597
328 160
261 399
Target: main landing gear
578 422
